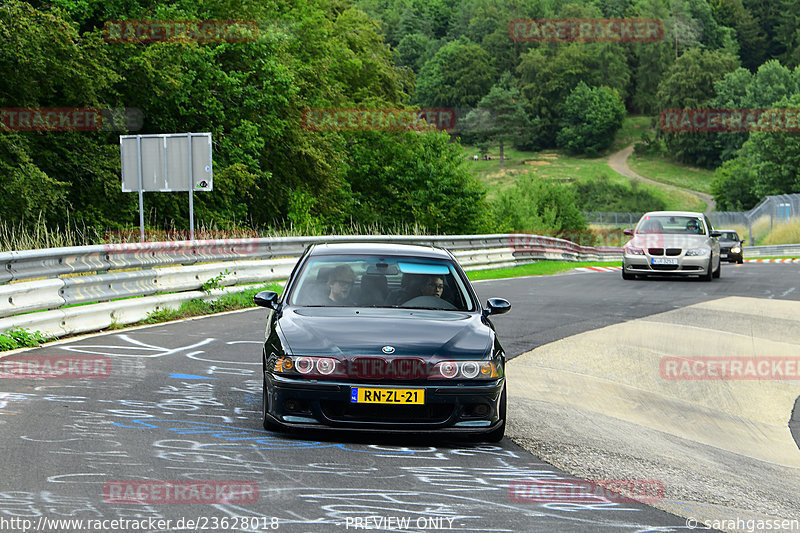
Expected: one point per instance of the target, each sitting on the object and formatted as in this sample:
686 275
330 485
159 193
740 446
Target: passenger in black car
340 283
432 286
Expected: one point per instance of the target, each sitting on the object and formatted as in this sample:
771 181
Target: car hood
365 331
666 240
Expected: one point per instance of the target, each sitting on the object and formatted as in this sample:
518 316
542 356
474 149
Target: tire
625 275
739 261
718 271
496 435
708 276
266 421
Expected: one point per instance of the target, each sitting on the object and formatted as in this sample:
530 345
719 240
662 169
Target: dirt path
618 161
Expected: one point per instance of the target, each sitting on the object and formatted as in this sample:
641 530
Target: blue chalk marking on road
224 434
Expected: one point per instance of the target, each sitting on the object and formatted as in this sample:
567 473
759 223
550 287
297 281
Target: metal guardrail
149 272
37 287
772 250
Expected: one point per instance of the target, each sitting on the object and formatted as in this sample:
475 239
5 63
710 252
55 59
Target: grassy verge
542 268
673 173
22 338
227 302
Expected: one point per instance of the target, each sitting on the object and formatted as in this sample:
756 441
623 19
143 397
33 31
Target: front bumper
730 257
686 265
449 407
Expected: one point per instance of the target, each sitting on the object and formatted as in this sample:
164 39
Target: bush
21 338
601 194
591 117
536 206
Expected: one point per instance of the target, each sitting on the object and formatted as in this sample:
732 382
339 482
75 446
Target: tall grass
41 235
783 233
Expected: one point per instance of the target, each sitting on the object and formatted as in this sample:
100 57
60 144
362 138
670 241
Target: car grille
660 251
350 412
665 267
724 250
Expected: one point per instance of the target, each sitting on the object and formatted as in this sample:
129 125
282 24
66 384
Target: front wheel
496 435
718 271
709 273
625 275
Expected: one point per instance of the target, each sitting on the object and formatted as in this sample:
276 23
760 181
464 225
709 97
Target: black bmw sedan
382 337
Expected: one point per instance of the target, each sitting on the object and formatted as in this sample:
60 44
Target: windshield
730 236
372 281
671 224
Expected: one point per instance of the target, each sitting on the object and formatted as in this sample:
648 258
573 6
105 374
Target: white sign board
170 162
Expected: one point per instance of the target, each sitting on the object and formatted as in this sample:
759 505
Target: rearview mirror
268 299
497 306
627 231
716 234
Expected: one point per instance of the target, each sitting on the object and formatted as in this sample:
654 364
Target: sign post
166 162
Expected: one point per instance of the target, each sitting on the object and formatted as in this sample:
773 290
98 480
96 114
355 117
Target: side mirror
628 231
267 299
497 306
716 233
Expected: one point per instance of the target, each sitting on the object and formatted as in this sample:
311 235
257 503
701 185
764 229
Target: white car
672 243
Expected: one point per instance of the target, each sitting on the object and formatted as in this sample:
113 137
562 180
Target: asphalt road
181 404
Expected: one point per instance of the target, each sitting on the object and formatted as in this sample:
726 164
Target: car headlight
467 369
736 250
308 366
697 252
633 251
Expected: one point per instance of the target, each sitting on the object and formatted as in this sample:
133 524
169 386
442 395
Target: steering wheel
429 301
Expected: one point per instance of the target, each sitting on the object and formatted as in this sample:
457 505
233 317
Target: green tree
413 178
459 75
689 84
749 36
733 186
547 76
413 50
499 118
590 118
767 164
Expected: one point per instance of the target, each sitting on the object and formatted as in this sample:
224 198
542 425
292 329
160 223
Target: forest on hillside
272 170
